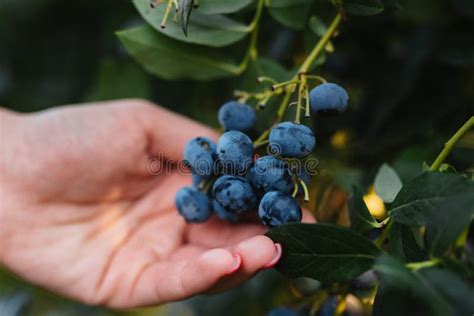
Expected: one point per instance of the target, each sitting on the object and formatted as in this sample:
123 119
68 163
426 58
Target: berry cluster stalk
300 79
451 143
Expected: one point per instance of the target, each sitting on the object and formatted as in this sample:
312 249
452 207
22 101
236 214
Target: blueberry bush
412 258
379 92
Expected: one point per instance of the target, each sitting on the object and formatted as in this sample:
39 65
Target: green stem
314 77
283 84
256 145
252 52
305 190
423 264
451 143
383 236
266 79
320 45
167 13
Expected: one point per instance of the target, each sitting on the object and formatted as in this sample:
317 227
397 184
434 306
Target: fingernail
276 258
236 265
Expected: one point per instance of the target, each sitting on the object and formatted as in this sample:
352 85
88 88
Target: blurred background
409 72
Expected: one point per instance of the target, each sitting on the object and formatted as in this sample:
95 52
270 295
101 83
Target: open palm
83 216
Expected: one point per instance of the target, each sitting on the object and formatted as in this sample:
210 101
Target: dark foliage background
409 72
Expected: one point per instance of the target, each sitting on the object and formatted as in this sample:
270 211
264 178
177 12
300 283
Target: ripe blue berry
193 205
235 194
222 213
328 97
199 155
237 116
235 152
271 174
278 208
291 140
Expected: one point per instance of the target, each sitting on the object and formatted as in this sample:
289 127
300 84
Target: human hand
81 214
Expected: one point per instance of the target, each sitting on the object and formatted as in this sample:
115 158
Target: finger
171 281
169 132
308 217
257 253
218 233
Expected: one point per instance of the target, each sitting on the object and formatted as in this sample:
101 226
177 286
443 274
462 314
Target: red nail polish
237 264
276 258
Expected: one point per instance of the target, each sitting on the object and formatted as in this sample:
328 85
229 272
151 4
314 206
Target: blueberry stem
278 118
305 189
300 99
307 108
266 79
295 188
302 73
167 13
285 83
256 145
314 77
449 145
206 185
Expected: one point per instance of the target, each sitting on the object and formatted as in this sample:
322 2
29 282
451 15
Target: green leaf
185 8
363 7
433 291
324 252
361 219
443 202
428 193
292 14
170 59
446 224
119 80
387 183
454 290
208 30
287 3
317 26
402 244
222 6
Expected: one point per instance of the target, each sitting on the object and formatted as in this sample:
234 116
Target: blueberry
328 97
193 205
291 140
237 116
271 174
235 194
222 213
235 152
199 155
278 208
282 311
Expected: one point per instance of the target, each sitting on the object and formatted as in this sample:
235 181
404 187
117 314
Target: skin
82 216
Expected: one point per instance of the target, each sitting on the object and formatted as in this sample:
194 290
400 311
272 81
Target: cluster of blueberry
240 184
